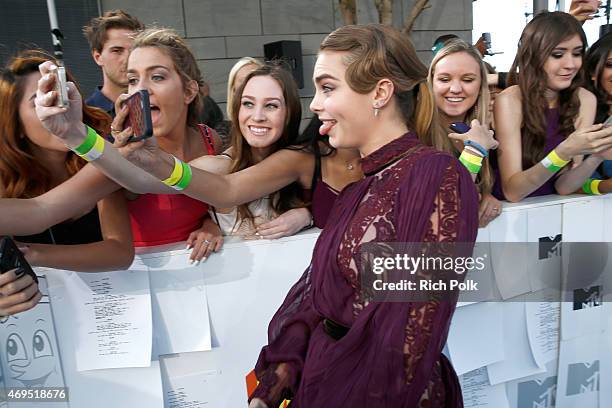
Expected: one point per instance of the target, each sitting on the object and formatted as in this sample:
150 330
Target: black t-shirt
84 230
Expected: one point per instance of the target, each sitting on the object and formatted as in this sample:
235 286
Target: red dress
159 219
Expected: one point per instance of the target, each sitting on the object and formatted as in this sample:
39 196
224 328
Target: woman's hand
589 140
144 153
489 209
18 292
65 122
584 10
478 133
285 224
205 241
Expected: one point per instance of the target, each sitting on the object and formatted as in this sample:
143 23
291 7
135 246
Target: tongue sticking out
326 126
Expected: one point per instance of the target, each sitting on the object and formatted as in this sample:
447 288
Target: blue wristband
476 146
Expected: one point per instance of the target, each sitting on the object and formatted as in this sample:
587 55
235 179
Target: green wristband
472 168
88 143
185 179
591 186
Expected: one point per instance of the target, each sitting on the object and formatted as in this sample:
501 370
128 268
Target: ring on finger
206 241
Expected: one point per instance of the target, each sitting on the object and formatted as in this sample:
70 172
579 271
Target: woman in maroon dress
328 345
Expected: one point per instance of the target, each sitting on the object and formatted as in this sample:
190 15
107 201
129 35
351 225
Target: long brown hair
242 156
21 173
538 40
595 61
377 51
439 136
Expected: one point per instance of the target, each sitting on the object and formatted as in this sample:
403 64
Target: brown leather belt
334 330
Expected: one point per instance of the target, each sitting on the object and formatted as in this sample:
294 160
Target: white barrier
244 285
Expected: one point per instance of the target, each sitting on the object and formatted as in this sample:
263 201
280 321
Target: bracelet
176 175
180 177
92 147
591 186
471 161
553 162
473 151
476 146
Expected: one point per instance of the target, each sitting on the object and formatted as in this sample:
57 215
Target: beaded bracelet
552 162
181 175
92 147
591 186
471 161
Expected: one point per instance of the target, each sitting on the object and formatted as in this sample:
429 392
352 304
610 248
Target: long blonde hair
185 64
438 138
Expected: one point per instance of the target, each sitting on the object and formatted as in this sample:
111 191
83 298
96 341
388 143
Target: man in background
110 38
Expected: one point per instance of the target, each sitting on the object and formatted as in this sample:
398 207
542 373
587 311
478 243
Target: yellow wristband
94 152
472 158
176 175
556 160
595 187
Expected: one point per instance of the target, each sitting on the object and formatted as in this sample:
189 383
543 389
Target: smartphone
60 87
459 127
608 121
139 116
11 258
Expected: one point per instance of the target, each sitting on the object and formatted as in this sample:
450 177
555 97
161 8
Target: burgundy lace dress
391 355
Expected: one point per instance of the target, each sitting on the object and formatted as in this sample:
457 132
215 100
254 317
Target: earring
376 109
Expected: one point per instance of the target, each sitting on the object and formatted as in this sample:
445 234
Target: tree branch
348 10
385 11
417 9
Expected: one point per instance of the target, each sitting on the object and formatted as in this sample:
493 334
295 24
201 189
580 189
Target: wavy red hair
21 174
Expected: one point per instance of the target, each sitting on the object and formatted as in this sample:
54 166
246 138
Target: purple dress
553 138
391 355
323 198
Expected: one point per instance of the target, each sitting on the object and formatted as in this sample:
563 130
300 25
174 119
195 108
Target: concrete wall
222 31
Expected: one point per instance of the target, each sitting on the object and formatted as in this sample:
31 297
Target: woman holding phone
33 161
161 63
541 134
328 345
457 77
598 69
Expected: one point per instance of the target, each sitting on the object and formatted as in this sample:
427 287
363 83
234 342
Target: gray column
539 5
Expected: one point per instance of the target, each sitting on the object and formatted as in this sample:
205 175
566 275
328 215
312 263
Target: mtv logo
582 378
589 297
537 393
549 247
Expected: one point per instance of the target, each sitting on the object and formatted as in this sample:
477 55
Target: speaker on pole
290 52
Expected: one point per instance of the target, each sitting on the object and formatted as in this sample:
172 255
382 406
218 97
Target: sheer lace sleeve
280 363
451 220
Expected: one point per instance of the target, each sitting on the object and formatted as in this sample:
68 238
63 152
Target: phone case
139 116
11 258
459 127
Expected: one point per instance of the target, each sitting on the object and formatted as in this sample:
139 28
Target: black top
84 230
